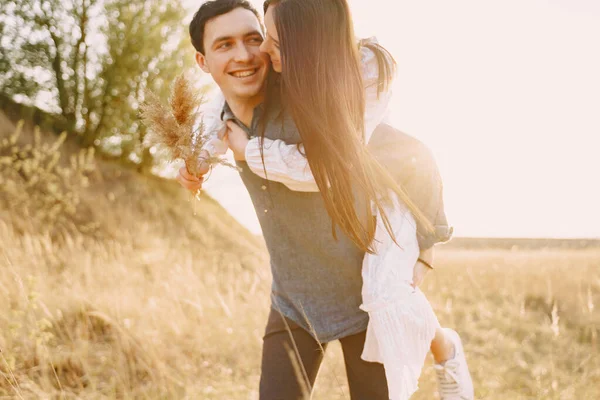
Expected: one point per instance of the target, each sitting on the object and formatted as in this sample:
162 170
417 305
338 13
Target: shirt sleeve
377 100
211 123
286 163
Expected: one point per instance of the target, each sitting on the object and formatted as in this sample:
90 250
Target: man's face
232 54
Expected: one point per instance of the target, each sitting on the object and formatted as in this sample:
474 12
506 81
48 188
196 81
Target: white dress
402 323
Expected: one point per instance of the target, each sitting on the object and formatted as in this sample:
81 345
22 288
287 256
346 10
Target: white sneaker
453 376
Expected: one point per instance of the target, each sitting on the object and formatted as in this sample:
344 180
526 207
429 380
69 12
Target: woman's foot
454 379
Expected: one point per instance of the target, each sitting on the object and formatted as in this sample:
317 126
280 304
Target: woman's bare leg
442 347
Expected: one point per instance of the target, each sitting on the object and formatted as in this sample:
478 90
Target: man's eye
223 46
256 40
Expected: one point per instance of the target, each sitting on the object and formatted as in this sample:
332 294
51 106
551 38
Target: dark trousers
290 367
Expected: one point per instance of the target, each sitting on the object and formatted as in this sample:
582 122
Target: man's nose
243 54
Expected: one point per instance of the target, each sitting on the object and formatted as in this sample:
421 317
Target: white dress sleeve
377 102
210 117
286 163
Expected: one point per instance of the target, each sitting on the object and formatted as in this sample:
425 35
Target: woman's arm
213 125
377 95
286 163
422 268
210 126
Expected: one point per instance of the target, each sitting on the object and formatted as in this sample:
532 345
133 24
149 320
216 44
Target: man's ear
201 61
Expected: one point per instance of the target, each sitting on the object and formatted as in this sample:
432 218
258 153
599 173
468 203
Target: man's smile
244 73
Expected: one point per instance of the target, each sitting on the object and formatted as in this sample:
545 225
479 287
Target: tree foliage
91 61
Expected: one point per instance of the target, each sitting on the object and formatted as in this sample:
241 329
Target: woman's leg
291 358
366 380
442 346
452 370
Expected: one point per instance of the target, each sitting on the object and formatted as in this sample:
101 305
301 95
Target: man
227 35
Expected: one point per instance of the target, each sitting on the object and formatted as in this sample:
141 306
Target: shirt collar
275 103
227 114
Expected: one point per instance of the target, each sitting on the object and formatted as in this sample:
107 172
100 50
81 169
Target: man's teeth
244 74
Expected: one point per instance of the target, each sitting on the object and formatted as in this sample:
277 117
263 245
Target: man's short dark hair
212 9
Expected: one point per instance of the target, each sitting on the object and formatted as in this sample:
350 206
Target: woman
311 44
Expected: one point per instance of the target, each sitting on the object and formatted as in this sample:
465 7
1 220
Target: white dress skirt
402 323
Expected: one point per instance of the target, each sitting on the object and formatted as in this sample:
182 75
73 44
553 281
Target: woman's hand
419 273
238 140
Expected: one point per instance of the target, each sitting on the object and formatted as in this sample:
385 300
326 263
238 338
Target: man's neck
243 108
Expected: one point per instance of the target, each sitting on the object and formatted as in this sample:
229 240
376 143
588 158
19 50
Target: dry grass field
165 297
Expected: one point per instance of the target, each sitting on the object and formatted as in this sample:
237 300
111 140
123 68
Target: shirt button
264 187
266 211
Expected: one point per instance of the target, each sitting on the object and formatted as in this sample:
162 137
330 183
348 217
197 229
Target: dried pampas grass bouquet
172 127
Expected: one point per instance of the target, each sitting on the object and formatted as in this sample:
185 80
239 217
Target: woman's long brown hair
322 85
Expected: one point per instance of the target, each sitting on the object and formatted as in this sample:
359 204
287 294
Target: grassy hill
140 291
127 310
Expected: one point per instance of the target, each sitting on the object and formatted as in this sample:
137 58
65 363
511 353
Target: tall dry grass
168 300
174 128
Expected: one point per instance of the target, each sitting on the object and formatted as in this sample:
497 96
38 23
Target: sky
507 96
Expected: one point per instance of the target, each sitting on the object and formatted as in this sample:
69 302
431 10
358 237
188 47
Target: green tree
92 60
